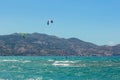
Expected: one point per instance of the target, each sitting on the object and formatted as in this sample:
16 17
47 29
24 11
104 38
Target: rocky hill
37 44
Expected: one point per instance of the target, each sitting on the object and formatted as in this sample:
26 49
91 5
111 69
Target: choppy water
59 68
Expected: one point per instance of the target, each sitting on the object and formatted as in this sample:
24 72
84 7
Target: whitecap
50 60
26 61
62 63
68 64
65 61
6 60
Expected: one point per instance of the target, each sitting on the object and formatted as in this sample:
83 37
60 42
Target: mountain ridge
37 44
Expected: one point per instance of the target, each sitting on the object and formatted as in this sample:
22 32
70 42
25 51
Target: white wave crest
6 60
23 61
63 63
69 64
50 60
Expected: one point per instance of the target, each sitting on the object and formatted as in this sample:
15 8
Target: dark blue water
59 68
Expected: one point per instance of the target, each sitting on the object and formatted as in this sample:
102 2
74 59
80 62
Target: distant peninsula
37 44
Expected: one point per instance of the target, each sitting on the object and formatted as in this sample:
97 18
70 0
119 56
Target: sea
59 68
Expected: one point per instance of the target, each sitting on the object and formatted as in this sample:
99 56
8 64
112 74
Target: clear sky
96 21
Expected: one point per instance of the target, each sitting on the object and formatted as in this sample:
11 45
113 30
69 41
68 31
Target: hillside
37 44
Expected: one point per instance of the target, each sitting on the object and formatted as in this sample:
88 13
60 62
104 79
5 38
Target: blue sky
96 21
